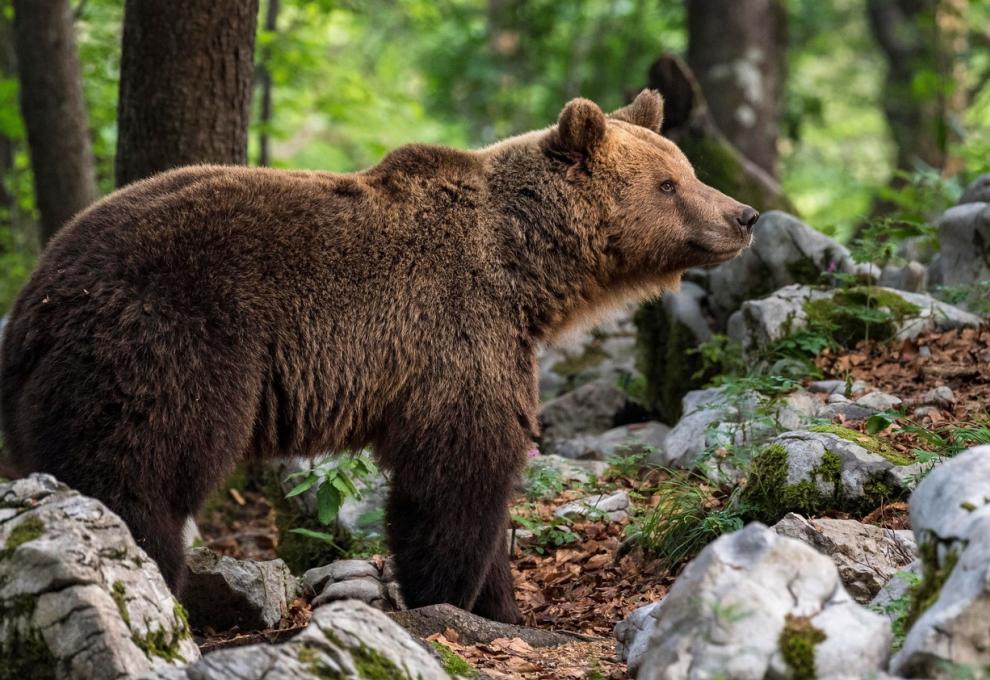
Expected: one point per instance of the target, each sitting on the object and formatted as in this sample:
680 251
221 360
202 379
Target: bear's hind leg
497 600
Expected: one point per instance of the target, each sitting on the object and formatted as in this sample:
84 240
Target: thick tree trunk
737 50
185 84
265 76
54 111
924 42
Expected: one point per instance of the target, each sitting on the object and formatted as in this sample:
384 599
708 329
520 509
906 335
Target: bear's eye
667 187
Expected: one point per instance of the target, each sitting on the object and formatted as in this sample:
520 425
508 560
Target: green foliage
335 480
630 464
687 517
768 496
898 608
542 480
547 535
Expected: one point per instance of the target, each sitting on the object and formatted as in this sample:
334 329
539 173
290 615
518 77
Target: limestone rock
785 251
866 556
978 191
747 598
624 440
222 592
345 640
812 472
964 237
590 409
354 580
78 597
950 515
614 506
567 470
879 401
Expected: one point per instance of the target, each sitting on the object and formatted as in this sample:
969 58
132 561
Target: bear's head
659 218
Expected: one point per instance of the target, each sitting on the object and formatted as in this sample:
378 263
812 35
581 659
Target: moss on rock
768 496
859 313
868 442
934 574
797 642
371 665
665 359
119 597
453 664
27 530
163 642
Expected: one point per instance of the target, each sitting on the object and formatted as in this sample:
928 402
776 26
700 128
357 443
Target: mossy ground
797 644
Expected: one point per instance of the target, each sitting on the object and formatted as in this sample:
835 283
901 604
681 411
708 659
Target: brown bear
210 314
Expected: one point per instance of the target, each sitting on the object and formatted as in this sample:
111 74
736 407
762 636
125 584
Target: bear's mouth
718 254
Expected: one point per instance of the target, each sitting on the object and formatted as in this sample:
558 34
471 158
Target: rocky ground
775 472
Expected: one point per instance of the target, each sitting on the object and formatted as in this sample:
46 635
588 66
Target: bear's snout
746 218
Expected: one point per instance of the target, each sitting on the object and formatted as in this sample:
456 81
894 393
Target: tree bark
54 111
265 76
185 84
923 42
737 50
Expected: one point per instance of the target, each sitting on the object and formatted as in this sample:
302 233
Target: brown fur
209 314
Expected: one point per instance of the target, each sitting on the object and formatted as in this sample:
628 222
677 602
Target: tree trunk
265 75
185 84
924 98
54 111
737 50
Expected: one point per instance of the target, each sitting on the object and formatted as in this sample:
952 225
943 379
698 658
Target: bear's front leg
447 515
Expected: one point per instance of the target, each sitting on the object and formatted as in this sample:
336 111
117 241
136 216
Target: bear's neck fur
552 243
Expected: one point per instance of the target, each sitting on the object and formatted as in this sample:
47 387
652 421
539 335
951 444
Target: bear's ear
645 111
581 127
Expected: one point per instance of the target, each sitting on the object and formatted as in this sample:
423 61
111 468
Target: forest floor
593 579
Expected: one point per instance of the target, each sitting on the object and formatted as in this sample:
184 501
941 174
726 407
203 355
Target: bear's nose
746 219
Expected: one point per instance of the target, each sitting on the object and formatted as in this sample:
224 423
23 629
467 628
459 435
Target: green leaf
304 485
318 535
328 500
879 422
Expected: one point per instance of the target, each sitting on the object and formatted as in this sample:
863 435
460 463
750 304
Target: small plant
898 608
631 464
547 535
453 663
335 481
542 480
688 516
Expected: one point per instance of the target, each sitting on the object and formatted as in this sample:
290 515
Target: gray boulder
978 191
964 235
590 409
744 606
866 556
624 440
785 251
759 323
344 640
950 515
912 277
714 418
78 597
222 592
